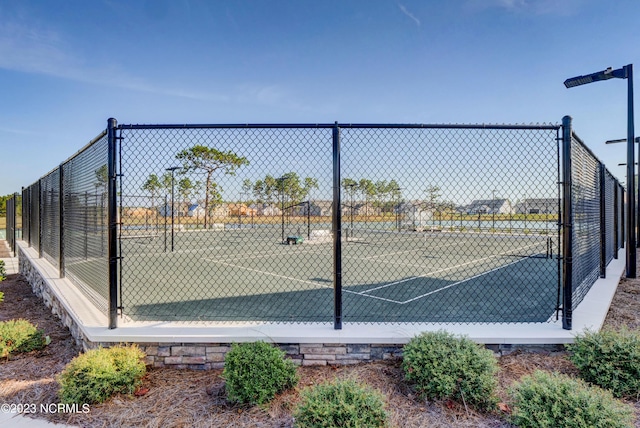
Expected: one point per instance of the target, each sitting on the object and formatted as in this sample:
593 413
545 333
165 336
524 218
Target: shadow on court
526 293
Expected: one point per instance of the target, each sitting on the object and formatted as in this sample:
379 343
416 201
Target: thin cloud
404 10
534 7
38 51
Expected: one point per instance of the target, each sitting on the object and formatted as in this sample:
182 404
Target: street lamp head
173 168
607 74
622 140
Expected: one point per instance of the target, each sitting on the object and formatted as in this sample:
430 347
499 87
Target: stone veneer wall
204 356
207 355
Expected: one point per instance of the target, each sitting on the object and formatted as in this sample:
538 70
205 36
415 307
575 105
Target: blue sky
66 67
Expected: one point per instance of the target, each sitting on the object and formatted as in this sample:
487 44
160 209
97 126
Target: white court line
262 255
445 269
302 280
407 251
459 282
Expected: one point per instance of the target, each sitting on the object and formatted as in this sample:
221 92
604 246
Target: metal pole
603 224
15 219
40 252
631 192
172 214
61 213
113 225
616 225
308 219
567 226
337 233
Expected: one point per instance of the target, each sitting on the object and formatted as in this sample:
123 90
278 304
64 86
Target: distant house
165 210
321 208
365 209
236 210
414 214
262 209
489 206
537 206
195 210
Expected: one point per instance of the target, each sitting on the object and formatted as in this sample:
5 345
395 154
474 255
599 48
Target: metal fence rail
330 222
50 208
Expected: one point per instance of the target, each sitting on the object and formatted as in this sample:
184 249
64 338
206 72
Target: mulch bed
184 398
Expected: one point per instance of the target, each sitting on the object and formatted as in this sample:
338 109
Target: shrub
98 374
554 400
442 365
256 372
609 359
3 273
20 336
340 404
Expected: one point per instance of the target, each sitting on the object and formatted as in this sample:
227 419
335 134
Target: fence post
61 215
15 220
616 241
603 223
112 250
40 253
337 233
567 226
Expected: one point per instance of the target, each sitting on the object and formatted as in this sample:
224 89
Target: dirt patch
184 398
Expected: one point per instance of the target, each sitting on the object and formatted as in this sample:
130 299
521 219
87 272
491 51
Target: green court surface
250 275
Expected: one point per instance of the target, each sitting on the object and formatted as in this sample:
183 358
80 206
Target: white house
195 210
489 206
537 206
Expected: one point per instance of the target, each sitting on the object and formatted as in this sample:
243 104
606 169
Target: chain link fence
329 223
66 213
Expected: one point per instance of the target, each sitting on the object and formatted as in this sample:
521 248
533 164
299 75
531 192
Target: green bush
609 359
441 365
98 374
340 404
20 336
554 400
256 372
3 273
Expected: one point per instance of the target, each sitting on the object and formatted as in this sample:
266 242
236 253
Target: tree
210 160
185 189
433 196
368 190
152 185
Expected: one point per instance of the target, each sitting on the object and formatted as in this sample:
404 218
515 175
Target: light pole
281 186
172 169
240 208
493 211
625 72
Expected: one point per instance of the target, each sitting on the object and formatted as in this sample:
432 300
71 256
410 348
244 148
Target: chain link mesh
50 209
585 187
10 231
450 224
207 216
26 234
439 223
34 216
610 189
85 222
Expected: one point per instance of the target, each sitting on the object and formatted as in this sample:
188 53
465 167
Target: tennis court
248 274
